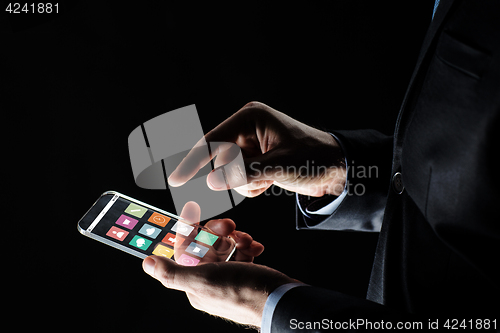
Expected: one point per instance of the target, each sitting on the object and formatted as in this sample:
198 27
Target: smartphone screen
142 230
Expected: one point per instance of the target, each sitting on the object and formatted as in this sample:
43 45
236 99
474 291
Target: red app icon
117 233
172 239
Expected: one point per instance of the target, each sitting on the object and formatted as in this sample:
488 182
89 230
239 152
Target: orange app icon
159 219
161 250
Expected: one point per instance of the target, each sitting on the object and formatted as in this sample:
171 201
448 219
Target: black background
75 84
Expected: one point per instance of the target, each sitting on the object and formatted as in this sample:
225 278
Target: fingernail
149 266
172 182
217 180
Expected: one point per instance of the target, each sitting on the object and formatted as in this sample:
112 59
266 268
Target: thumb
170 274
240 172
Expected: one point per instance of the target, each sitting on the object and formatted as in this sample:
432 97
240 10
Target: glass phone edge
111 243
126 249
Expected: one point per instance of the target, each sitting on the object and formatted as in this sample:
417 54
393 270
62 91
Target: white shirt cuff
331 207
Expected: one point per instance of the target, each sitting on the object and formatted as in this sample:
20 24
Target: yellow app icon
162 250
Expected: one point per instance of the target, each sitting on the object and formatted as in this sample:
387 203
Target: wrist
335 177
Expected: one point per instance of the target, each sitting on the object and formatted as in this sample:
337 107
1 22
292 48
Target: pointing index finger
220 139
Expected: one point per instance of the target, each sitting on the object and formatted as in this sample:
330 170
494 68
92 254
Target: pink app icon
127 222
186 260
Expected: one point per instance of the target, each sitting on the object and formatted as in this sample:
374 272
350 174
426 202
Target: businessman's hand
236 290
276 150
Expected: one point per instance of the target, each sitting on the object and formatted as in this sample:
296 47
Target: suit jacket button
397 183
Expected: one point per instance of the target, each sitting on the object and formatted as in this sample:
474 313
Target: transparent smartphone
142 230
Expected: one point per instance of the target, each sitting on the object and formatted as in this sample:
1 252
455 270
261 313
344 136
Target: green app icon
206 238
140 243
136 210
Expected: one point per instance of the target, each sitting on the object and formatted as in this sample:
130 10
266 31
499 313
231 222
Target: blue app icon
149 231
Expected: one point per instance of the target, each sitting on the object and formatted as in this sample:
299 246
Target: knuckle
252 104
255 107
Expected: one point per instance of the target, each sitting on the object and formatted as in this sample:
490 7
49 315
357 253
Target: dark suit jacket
438 252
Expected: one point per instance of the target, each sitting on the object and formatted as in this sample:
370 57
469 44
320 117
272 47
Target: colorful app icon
186 260
206 237
141 243
182 228
150 231
172 239
136 210
126 221
197 249
162 250
159 219
117 233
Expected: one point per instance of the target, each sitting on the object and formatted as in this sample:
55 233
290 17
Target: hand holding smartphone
142 230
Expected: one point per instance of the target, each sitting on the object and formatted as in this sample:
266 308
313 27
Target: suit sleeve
311 309
369 159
